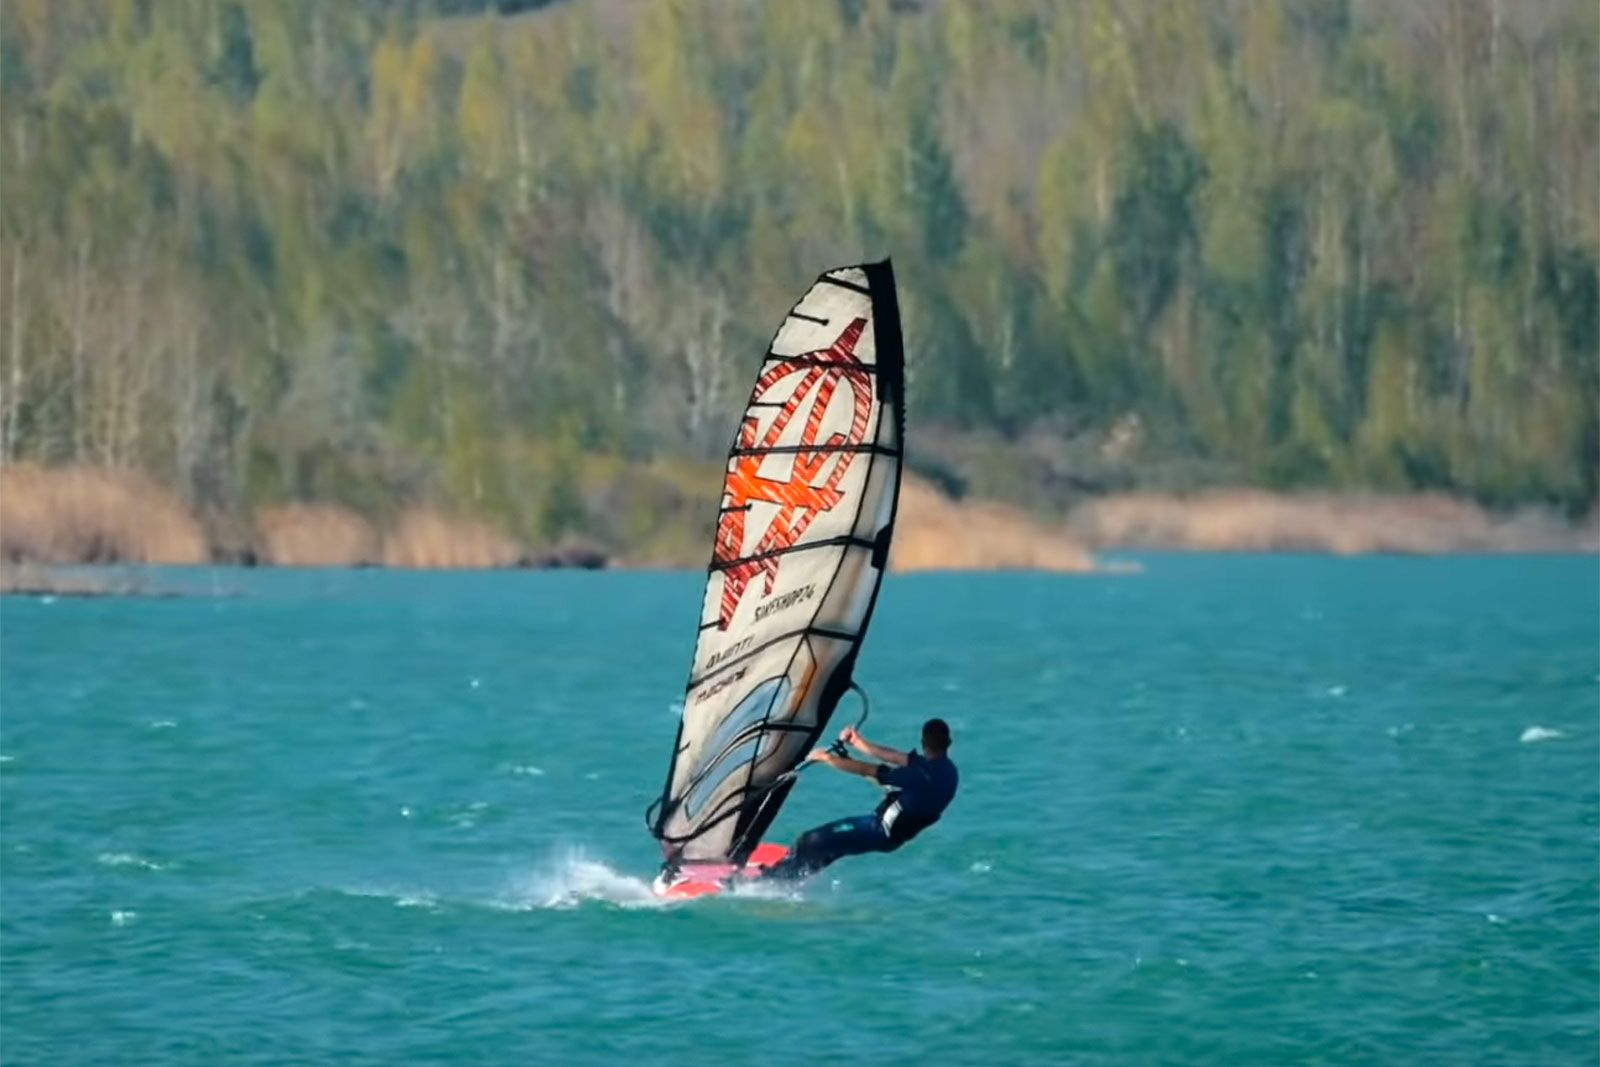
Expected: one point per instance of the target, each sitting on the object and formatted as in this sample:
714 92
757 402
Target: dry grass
316 535
937 533
424 537
57 515
78 515
1247 520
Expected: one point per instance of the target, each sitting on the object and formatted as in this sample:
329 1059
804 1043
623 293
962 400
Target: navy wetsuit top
923 788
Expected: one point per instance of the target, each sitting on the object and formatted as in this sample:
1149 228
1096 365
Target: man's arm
892 756
845 764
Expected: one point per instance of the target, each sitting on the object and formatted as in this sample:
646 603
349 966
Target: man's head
935 737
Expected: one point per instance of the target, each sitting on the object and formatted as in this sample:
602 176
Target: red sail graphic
805 493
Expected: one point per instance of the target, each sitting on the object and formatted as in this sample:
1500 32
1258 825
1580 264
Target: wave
574 878
128 859
1540 733
567 881
399 897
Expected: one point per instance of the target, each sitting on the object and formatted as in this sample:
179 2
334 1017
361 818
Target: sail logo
812 485
786 601
728 653
717 687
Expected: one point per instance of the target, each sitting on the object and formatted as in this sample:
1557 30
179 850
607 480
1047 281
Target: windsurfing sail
802 541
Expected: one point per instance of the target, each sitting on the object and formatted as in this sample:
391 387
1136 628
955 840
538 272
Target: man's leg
821 845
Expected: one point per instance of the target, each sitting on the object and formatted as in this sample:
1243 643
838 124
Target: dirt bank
83 515
935 532
316 535
90 515
77 515
424 537
1249 520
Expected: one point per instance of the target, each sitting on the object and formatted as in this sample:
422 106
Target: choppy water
1230 811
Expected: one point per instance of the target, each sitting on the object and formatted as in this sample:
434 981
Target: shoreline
79 517
1247 520
88 581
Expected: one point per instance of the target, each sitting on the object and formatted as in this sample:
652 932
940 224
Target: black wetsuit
922 789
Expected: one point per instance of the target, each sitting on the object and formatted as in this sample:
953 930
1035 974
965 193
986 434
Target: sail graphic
807 513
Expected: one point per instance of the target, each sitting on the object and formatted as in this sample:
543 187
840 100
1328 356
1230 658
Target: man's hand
842 763
852 737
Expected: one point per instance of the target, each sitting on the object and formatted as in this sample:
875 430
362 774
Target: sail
807 512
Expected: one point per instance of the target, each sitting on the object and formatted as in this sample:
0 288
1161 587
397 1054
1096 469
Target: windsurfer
922 784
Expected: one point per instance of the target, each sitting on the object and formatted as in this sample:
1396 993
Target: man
922 783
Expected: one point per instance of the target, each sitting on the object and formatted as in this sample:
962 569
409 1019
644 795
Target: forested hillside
381 252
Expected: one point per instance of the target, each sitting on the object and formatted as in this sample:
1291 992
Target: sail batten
832 542
807 511
820 450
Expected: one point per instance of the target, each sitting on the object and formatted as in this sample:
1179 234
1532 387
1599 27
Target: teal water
1228 811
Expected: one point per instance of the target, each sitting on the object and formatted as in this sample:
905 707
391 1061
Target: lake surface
1227 810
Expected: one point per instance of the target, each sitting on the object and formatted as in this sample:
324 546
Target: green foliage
1152 227
467 250
563 509
936 195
